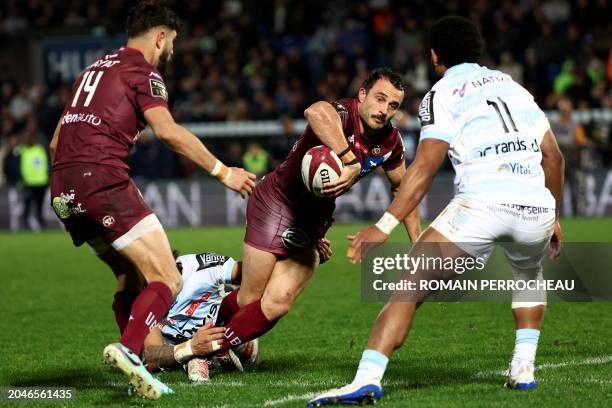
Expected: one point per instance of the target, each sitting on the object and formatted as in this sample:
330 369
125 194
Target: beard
164 60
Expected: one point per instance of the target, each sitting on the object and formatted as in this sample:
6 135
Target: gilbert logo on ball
320 166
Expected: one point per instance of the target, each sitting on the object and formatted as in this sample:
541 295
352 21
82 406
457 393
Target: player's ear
435 61
160 39
362 95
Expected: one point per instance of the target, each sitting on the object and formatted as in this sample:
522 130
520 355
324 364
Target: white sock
371 367
525 348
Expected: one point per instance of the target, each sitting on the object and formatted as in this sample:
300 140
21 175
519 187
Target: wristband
217 169
182 354
354 161
386 223
342 153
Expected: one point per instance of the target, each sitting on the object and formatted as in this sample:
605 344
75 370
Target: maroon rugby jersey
104 114
385 149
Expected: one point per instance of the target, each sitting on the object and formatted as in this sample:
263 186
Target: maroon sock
149 308
229 307
122 306
248 324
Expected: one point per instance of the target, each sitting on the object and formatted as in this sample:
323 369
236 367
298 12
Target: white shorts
475 226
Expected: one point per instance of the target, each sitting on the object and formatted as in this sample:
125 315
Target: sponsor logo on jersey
460 91
370 163
489 80
88 118
426 112
64 205
351 139
108 220
515 168
194 306
209 260
511 146
295 238
158 89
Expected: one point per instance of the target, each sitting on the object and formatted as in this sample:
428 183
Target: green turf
56 318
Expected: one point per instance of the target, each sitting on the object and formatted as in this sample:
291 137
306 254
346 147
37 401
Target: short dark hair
148 14
384 73
455 40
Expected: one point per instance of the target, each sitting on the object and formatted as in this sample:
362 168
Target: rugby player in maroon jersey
92 193
285 221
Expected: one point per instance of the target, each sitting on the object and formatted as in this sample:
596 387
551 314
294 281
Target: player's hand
370 237
324 248
556 242
202 341
347 178
240 181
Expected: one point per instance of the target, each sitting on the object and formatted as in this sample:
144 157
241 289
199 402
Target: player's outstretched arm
415 183
327 125
186 143
412 221
554 173
158 355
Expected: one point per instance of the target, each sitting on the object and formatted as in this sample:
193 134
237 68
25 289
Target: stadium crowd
268 60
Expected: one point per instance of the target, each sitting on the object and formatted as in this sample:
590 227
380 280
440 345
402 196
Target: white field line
481 374
289 398
546 366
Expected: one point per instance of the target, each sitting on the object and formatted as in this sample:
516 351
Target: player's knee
276 306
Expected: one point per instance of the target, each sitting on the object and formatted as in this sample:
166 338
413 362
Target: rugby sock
525 347
229 307
122 306
248 324
148 309
371 367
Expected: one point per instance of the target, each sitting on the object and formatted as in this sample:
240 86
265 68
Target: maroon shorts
275 226
96 201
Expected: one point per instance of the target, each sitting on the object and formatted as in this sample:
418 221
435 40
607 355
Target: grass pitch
57 317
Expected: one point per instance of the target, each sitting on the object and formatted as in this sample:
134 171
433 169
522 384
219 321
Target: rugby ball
320 166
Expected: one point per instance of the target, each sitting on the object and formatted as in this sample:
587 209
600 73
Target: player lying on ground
508 167
284 219
92 193
187 333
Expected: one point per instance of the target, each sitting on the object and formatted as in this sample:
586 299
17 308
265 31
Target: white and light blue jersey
204 278
494 130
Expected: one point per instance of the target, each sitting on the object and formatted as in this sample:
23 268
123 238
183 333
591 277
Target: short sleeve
436 119
397 154
150 90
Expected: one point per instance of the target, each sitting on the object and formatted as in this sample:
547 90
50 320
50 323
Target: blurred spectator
11 166
571 139
242 60
255 159
34 167
280 145
233 156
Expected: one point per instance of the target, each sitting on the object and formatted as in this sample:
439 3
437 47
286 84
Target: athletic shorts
100 205
475 226
275 226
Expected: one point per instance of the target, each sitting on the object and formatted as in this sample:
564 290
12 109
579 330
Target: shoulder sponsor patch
158 89
426 111
339 107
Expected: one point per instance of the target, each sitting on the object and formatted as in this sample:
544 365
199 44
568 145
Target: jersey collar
460 68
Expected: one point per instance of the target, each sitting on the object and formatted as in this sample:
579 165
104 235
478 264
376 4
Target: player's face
379 104
167 51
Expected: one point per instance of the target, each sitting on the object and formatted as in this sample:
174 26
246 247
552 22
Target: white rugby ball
320 166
